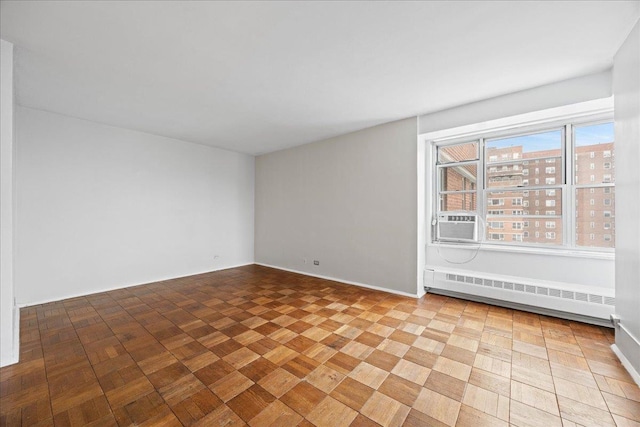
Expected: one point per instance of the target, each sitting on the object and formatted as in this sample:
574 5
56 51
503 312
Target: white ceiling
256 77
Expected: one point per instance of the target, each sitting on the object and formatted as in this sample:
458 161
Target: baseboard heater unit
589 305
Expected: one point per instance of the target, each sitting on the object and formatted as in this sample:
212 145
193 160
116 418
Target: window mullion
482 206
570 202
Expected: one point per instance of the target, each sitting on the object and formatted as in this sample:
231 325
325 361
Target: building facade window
490 172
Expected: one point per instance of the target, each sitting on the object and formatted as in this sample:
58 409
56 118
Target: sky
585 135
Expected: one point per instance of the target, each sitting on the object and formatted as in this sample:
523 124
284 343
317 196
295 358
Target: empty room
320 213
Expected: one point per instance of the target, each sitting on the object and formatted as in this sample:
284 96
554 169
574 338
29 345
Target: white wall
626 80
566 92
596 273
348 202
9 324
100 207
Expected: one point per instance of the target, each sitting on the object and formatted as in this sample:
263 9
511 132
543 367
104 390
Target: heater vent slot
531 289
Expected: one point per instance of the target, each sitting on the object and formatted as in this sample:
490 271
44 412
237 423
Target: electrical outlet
316 262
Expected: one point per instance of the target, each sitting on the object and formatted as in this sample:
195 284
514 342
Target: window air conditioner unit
457 227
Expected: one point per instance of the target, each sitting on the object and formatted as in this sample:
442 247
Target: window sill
564 252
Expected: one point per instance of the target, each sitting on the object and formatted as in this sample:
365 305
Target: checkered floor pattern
263 347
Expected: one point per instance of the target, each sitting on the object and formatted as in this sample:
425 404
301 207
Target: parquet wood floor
262 347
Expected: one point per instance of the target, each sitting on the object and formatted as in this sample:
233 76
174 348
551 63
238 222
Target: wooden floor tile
278 382
471 417
331 413
369 375
437 406
303 398
263 347
404 391
324 378
352 393
276 414
385 410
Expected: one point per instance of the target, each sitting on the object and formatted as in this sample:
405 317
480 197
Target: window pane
594 160
546 202
458 202
595 217
458 178
525 173
533 230
539 145
458 153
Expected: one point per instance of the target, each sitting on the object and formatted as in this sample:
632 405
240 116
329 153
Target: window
607 226
489 175
589 141
457 177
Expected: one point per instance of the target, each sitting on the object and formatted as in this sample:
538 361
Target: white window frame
568 180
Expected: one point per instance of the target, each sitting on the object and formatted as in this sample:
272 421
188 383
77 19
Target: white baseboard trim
15 350
346 282
99 291
627 345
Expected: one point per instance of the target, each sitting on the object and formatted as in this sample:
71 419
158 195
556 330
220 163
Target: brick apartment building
518 213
